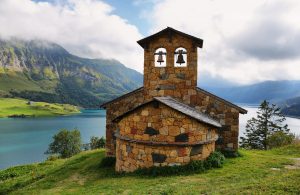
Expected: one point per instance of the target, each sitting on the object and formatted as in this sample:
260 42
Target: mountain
44 71
273 91
291 107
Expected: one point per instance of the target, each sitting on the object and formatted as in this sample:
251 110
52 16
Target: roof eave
197 41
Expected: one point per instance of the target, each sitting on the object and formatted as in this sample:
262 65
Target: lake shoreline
22 108
37 116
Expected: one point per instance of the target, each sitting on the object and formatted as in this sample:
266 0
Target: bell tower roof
170 31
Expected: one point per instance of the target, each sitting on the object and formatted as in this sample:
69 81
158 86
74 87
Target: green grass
81 174
11 106
17 81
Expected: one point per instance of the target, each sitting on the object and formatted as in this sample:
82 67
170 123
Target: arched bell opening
160 57
180 57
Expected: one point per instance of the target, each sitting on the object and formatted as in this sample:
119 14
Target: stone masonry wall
114 110
227 115
159 136
172 81
132 156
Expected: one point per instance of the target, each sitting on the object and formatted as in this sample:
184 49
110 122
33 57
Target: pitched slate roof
187 110
143 42
181 107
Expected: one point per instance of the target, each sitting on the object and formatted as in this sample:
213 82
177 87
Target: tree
260 130
97 142
65 143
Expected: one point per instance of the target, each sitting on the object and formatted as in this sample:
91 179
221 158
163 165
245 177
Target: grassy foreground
17 107
257 172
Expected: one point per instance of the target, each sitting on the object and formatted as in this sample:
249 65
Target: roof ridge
198 42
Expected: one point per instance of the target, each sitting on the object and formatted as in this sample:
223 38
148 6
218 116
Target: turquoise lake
25 140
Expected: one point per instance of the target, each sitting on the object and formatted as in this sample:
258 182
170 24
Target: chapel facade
169 121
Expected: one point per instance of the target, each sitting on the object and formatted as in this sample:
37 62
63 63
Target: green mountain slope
44 71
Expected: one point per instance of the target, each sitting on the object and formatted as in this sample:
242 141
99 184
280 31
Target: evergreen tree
269 121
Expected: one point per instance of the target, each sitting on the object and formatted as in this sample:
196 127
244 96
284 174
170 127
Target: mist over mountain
274 91
43 71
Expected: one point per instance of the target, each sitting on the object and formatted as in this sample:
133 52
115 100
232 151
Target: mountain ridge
45 71
274 91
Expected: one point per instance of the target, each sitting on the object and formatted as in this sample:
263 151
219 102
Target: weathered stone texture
180 80
173 124
115 109
141 156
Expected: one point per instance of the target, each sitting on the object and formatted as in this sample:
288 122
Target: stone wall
116 109
132 156
156 135
227 115
170 81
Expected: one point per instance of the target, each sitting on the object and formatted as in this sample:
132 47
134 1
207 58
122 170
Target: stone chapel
169 121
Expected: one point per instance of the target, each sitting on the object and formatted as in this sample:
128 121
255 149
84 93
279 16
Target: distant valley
43 71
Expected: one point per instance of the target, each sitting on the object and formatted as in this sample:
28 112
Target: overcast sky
245 41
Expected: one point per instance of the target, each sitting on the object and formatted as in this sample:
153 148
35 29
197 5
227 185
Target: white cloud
84 27
244 41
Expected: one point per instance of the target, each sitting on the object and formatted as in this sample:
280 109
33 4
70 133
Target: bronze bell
160 58
180 59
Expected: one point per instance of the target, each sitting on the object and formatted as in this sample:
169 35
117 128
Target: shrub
65 143
215 160
53 157
231 153
279 139
108 161
97 142
296 140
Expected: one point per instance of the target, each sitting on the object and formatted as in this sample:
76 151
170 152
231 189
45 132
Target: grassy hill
44 71
17 107
257 172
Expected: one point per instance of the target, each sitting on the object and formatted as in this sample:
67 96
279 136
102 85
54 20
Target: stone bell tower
170 64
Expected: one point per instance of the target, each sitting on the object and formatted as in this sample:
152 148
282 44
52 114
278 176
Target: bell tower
170 64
